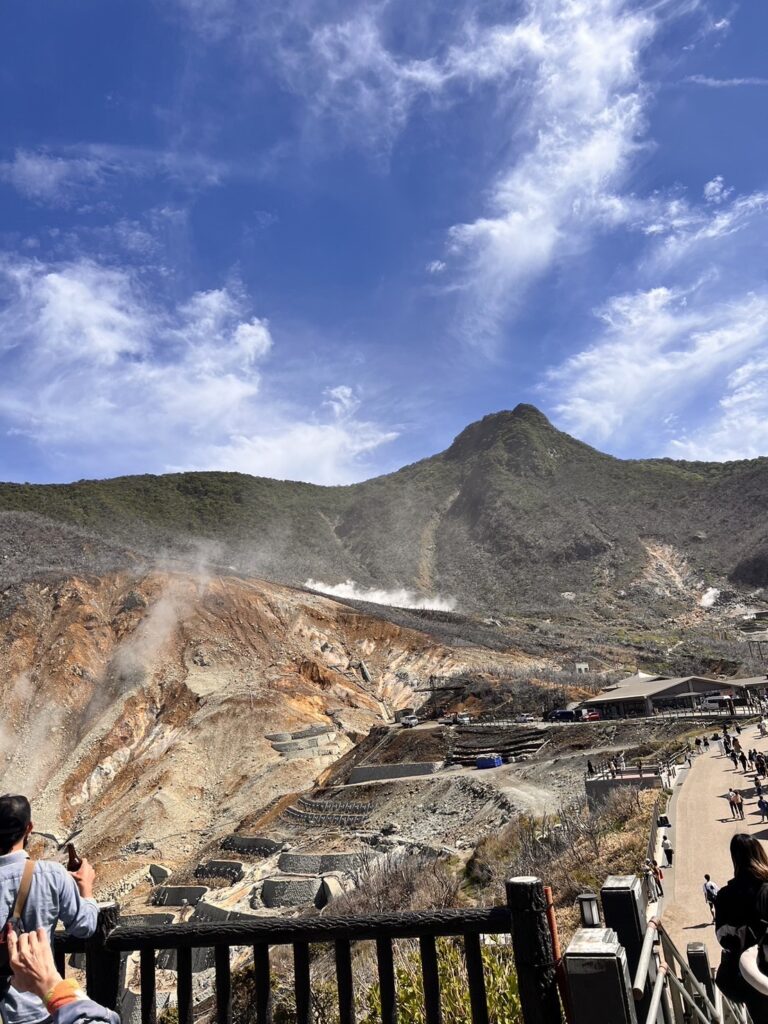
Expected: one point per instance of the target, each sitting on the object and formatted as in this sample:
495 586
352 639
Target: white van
716 703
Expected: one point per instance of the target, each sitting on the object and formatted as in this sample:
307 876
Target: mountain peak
522 427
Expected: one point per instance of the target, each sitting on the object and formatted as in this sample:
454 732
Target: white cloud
436 266
342 400
48 178
61 178
94 368
584 116
715 190
400 598
738 427
725 83
658 349
700 233
321 453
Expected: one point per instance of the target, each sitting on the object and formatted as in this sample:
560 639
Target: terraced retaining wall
172 895
376 772
317 863
251 844
291 892
229 869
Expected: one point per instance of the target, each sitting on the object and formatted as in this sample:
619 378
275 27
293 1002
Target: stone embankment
385 772
232 870
514 743
316 741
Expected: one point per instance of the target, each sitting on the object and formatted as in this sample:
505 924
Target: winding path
702 831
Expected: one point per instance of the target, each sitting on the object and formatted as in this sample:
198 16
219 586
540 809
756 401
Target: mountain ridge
513 513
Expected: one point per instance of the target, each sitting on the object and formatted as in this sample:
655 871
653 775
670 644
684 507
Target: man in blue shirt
55 895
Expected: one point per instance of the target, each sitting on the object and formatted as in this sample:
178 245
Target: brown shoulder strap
24 887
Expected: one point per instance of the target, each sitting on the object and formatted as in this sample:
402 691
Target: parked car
562 715
448 720
463 718
593 715
525 716
409 721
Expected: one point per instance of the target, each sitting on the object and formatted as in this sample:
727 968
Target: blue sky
314 240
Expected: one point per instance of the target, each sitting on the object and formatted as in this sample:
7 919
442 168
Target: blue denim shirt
84 1011
53 897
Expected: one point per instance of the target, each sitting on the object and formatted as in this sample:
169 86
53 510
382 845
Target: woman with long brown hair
741 923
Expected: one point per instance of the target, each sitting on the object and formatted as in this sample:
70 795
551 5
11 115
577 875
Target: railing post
532 950
102 966
598 979
698 961
624 904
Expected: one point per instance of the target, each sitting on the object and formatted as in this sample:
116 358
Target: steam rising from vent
399 598
709 597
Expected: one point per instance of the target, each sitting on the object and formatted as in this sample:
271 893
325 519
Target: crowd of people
739 909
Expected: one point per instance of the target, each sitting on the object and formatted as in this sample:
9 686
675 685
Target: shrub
500 982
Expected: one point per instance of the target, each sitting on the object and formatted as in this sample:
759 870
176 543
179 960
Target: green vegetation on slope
513 514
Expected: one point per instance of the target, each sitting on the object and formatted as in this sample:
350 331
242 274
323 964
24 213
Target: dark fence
524 917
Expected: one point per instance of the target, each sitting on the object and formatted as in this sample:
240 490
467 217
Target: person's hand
84 878
32 963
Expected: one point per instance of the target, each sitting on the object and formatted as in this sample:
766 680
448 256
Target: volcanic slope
512 516
139 707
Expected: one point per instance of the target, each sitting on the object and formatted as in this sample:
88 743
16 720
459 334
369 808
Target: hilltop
513 515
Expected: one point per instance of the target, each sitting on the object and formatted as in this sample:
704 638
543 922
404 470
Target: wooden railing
524 917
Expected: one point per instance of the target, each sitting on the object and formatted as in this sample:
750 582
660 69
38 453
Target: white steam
399 598
709 598
137 656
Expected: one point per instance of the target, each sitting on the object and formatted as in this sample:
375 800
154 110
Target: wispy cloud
725 83
64 177
658 349
584 117
737 427
93 364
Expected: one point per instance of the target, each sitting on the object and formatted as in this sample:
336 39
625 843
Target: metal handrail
687 986
644 963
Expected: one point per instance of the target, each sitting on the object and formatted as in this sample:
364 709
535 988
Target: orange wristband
63 992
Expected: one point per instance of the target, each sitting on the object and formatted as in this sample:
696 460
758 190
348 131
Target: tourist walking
705 742
760 764
743 761
697 744
740 907
732 803
758 786
668 850
735 759
762 806
738 799
720 746
710 892
658 875
736 745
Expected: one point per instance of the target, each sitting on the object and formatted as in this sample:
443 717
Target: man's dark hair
15 816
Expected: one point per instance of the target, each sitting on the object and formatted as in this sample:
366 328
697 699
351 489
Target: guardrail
633 971
524 917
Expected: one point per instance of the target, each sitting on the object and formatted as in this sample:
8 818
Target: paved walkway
702 831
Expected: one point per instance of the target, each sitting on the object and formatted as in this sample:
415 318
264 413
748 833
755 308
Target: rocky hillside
167 708
514 515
